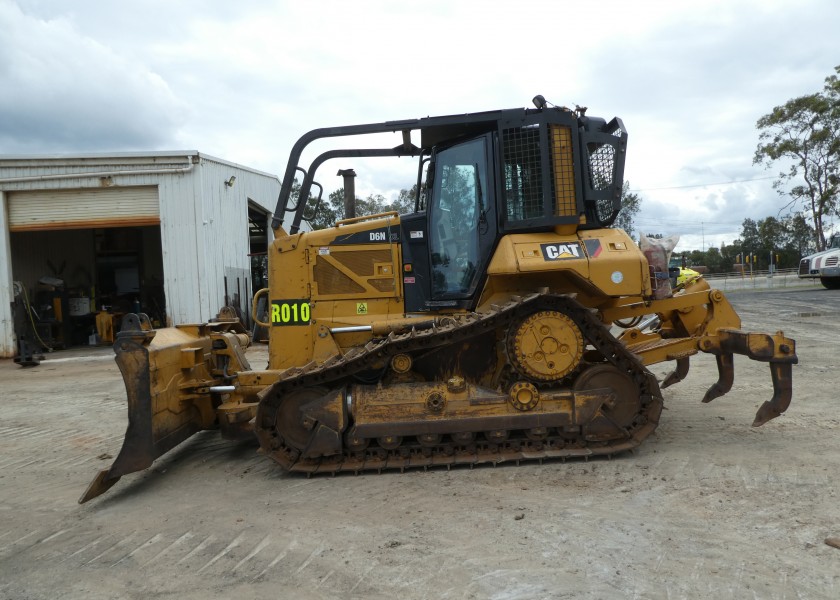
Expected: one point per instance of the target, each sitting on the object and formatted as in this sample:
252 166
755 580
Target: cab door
462 220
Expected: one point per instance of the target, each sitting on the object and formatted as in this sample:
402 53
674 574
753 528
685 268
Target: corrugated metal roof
8 161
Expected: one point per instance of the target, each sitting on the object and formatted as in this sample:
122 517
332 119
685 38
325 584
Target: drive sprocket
545 346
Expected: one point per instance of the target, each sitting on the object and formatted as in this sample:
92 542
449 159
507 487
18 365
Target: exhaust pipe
349 192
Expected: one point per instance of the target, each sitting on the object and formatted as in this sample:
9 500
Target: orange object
105 326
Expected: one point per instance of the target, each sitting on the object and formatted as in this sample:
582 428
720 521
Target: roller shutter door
83 209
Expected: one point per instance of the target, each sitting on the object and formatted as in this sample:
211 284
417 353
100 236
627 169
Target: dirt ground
708 507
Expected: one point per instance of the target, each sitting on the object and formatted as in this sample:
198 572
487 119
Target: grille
362 262
601 162
563 165
804 266
601 168
523 173
332 281
831 261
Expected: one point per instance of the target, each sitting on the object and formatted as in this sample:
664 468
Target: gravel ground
707 507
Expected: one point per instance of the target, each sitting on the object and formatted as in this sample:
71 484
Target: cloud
691 93
62 91
244 80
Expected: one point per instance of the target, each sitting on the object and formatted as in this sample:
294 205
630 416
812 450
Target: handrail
388 213
263 291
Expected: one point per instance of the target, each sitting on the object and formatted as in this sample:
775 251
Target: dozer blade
775 349
167 382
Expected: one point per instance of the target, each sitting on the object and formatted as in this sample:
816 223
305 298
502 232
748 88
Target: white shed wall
7 326
207 239
226 235
180 248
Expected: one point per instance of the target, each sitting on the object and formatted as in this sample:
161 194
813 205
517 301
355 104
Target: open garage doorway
80 282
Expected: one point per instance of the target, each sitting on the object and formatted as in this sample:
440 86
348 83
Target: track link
454 450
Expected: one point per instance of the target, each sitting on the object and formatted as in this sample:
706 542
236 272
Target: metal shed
167 233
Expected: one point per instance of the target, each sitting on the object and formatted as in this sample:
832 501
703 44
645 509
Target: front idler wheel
622 406
292 424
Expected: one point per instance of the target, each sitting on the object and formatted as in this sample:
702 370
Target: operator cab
487 175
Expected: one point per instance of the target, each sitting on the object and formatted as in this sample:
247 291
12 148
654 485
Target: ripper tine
678 374
726 375
782 375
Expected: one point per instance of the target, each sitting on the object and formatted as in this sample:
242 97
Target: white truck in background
825 264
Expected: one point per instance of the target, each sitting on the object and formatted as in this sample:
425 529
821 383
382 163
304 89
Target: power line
698 185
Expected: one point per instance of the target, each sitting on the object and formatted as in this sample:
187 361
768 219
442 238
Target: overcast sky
243 80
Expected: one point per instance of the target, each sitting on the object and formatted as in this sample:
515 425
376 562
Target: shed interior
79 282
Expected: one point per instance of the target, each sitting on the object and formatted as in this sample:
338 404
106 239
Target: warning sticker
361 308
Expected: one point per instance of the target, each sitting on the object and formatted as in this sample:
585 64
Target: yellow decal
361 308
290 312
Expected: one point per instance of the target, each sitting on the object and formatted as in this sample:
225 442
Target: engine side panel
601 262
340 277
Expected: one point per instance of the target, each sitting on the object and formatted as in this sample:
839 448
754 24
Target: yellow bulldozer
502 320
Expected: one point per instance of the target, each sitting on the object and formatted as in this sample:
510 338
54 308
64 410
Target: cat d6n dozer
476 329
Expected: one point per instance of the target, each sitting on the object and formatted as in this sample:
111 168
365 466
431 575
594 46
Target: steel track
339 371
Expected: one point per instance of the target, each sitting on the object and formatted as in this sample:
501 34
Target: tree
713 259
805 134
771 234
730 255
789 238
328 210
750 239
332 209
799 235
319 215
630 205
404 203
